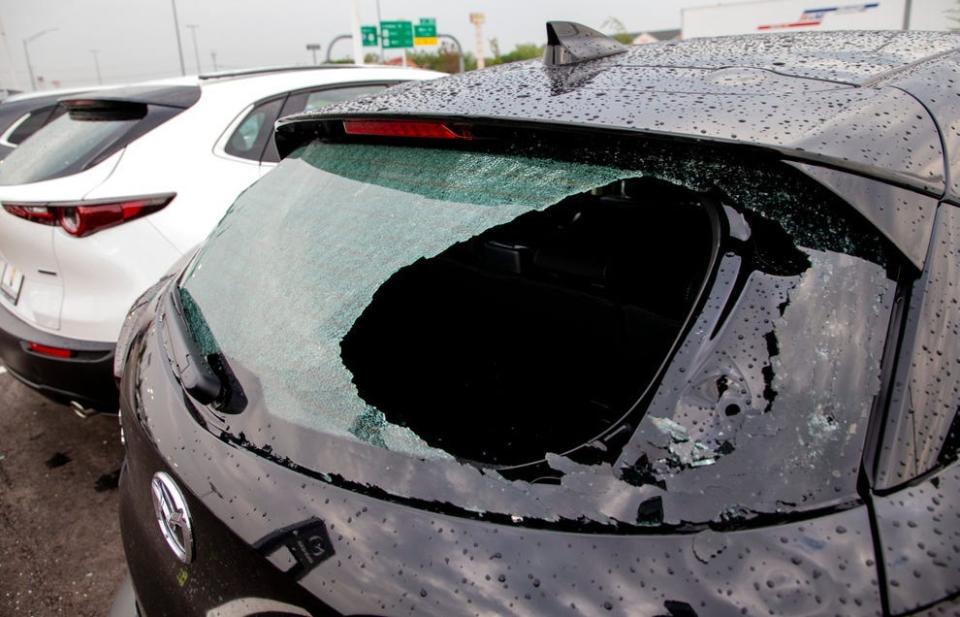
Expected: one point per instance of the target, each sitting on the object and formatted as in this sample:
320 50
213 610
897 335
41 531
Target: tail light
422 129
82 218
53 352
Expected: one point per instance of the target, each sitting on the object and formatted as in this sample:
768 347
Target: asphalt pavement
60 551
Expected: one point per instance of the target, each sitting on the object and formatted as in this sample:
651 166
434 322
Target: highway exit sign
396 34
368 34
425 32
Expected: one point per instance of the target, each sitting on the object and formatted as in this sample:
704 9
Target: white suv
99 203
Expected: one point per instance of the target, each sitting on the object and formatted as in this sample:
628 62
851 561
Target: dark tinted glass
30 125
251 135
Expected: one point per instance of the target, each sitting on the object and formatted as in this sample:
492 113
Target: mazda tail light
82 218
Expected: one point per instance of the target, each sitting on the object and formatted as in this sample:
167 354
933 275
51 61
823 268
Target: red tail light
82 218
37 214
423 129
54 352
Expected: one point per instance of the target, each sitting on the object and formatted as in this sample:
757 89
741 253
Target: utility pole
6 52
196 49
478 19
96 63
357 39
176 29
26 53
213 57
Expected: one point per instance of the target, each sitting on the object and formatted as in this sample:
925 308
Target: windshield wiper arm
189 363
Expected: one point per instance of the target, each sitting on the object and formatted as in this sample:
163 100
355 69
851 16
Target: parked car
104 199
22 115
662 331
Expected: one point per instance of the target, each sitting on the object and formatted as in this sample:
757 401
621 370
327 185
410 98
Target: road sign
396 34
368 34
425 33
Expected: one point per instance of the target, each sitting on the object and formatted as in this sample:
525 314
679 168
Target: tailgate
34 290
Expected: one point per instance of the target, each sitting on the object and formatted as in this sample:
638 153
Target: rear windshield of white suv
605 334
74 142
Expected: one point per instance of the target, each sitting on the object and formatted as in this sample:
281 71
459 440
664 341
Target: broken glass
776 372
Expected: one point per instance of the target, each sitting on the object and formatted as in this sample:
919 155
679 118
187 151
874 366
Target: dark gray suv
664 331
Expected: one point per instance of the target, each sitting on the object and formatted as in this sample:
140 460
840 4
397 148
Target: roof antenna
569 43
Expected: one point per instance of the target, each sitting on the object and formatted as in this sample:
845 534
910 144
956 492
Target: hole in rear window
538 335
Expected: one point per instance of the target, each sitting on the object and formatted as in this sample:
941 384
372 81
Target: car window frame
270 146
883 448
220 149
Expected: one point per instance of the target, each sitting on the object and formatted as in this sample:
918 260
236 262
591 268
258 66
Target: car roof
248 84
828 97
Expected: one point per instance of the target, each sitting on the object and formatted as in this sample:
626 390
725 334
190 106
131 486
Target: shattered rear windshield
543 335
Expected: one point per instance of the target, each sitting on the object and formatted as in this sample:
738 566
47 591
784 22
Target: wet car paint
936 85
812 96
390 560
923 404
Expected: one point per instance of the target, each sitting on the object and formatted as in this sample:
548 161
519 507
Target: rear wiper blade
191 366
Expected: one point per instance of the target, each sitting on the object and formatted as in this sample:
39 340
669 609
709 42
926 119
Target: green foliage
523 51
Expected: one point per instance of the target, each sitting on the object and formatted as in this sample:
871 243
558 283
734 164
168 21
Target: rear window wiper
189 362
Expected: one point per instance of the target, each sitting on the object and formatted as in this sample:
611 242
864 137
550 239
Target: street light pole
379 34
314 48
176 29
213 57
6 52
196 50
26 53
96 63
357 39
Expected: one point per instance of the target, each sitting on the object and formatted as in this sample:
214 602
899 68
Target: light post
196 49
213 57
176 29
313 48
26 53
96 63
379 37
355 31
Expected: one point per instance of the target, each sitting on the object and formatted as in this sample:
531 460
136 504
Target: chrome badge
173 516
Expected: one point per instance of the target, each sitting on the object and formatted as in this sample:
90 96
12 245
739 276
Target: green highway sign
368 34
396 34
425 33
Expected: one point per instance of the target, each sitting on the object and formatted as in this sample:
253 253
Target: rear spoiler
180 97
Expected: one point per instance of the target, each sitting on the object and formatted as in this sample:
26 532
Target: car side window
254 131
299 102
918 434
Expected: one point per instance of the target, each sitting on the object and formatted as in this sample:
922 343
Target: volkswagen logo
173 516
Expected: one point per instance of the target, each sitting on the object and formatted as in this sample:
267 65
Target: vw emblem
173 516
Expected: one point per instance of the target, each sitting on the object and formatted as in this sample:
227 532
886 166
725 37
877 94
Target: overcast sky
136 38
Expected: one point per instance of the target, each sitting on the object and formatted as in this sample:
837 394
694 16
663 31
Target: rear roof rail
266 70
